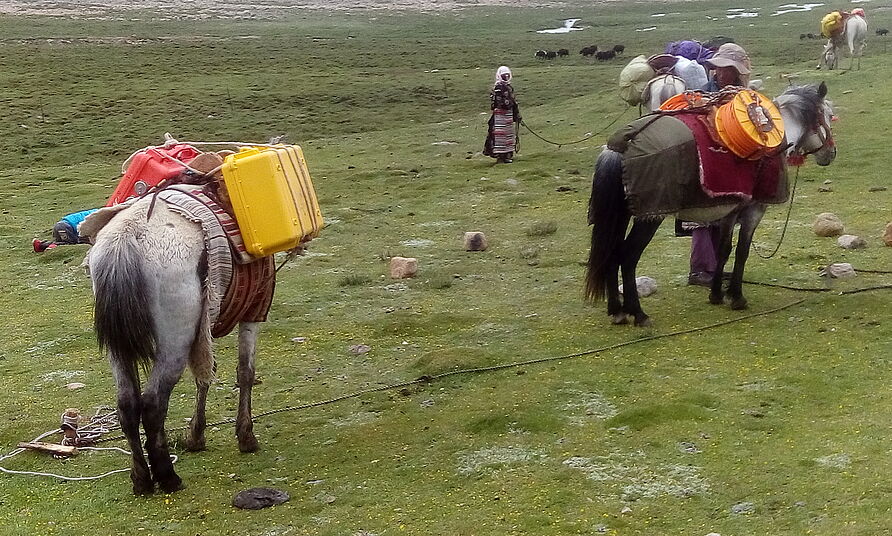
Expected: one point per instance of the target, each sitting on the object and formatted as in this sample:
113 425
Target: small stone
825 189
827 182
564 189
358 349
828 224
887 234
475 241
839 270
646 286
625 511
299 339
257 498
877 189
848 241
75 386
403 267
743 508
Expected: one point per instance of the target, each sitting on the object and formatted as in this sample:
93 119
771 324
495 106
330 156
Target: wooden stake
51 448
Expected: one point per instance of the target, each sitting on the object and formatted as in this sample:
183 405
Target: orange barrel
684 101
750 125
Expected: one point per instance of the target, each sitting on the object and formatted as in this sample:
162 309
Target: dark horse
806 116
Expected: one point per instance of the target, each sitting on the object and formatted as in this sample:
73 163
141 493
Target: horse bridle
825 135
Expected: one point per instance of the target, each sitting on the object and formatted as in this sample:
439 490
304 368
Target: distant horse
659 89
806 116
148 265
855 35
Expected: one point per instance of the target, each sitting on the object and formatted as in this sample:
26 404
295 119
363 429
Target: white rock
848 241
74 386
403 267
840 269
626 510
646 286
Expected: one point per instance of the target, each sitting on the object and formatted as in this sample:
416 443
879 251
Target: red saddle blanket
724 173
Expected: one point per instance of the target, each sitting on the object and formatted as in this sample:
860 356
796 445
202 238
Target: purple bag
691 50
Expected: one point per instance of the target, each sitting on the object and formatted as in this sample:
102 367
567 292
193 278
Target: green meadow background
777 424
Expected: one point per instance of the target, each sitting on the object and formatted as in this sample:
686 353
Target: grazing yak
541 54
589 51
882 31
605 55
619 49
563 52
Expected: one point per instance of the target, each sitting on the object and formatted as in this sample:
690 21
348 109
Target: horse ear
822 90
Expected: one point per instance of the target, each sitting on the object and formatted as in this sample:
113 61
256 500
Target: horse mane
803 102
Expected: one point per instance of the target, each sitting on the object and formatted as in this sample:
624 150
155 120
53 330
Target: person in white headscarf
501 138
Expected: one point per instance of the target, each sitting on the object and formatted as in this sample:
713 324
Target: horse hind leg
170 362
639 237
129 413
244 426
202 365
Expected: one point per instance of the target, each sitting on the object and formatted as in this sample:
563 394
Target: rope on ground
586 138
428 378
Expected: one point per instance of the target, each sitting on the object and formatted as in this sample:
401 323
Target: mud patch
474 462
639 479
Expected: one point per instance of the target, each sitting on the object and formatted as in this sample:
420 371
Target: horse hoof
619 319
248 445
172 484
716 299
143 488
739 304
645 322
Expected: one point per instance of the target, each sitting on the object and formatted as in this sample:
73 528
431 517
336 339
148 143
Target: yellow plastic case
273 198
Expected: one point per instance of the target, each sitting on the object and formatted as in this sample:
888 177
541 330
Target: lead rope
586 138
786 222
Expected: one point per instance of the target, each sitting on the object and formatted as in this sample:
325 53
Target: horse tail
608 216
121 312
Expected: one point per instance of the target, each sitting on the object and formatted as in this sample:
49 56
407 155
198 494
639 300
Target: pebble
74 386
743 508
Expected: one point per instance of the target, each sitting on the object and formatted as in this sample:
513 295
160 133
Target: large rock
887 235
828 224
646 286
475 241
848 241
403 267
257 498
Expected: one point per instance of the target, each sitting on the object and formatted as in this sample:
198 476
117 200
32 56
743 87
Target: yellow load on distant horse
832 24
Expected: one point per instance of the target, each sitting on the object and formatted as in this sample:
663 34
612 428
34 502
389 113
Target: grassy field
773 425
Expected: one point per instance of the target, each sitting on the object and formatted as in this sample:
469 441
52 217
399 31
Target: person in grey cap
731 67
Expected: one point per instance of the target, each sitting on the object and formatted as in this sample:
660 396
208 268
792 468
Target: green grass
550 449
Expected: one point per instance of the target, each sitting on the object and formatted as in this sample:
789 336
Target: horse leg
169 366
639 237
614 298
129 411
722 241
749 220
197 425
244 426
